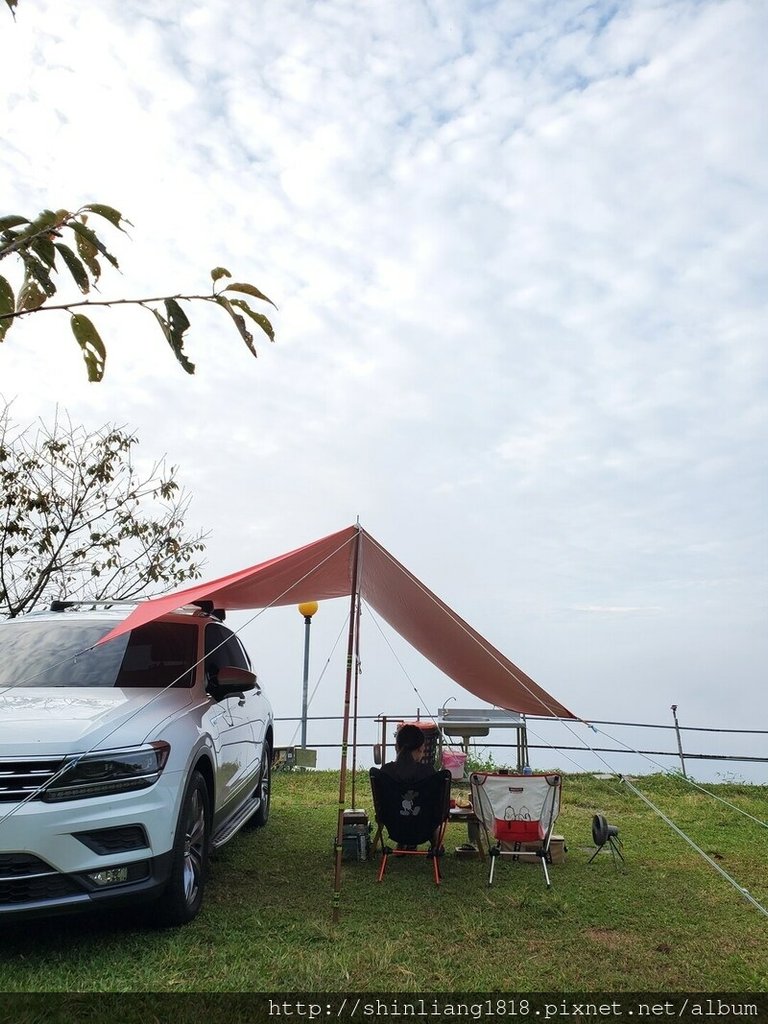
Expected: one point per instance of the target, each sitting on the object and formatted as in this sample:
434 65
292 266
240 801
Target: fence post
679 741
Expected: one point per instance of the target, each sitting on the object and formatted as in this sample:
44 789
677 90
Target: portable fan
604 834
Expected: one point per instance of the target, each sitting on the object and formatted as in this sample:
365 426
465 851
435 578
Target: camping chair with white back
518 814
412 814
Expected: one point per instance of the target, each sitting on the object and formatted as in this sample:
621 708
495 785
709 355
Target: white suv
123 766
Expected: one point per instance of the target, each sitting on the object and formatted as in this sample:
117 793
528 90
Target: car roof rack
208 609
203 607
62 606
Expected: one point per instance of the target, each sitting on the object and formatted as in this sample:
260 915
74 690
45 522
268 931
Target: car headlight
109 772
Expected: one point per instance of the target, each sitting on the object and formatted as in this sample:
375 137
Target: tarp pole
354 598
355 704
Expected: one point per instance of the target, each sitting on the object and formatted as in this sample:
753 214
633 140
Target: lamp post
307 609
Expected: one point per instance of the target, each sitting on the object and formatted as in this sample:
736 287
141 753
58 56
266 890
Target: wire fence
372 729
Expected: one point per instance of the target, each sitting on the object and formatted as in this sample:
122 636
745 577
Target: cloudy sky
518 250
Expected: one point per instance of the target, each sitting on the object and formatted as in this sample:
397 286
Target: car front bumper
74 855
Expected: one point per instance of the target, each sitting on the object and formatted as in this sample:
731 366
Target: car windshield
47 653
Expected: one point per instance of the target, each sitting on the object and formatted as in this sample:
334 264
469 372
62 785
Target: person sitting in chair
408 765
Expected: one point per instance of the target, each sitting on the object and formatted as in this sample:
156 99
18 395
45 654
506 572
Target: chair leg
436 854
383 868
493 857
546 873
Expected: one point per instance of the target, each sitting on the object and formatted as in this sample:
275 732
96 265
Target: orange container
431 734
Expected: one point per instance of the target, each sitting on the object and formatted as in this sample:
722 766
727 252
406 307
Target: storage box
454 761
356 835
557 850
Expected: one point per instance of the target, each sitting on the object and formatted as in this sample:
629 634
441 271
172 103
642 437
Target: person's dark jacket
405 769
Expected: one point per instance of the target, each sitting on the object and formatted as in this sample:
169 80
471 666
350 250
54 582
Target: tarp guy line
155 696
562 753
418 615
263 608
591 749
739 888
427 593
680 832
401 665
322 674
78 757
677 829
683 778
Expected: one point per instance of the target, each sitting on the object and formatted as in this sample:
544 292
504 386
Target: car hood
66 720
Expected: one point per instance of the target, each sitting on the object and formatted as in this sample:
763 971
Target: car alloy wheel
261 816
183 896
194 846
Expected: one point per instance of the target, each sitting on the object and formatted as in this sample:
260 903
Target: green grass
668 922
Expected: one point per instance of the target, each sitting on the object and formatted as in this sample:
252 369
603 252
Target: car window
49 653
223 648
159 654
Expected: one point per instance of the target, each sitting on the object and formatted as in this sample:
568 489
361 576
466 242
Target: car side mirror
229 680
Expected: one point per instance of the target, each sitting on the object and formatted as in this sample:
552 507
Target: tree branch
68 306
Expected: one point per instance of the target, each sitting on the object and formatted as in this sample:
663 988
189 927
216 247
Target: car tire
182 898
261 817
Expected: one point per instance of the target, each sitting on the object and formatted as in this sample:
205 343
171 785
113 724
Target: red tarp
323 570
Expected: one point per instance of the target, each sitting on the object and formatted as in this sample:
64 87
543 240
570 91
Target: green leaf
75 267
178 324
33 268
249 289
219 272
177 318
31 295
259 318
42 227
173 334
109 213
91 345
83 231
7 305
45 219
245 334
7 299
12 221
43 247
87 251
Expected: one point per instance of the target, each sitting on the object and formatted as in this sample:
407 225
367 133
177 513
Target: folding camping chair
518 812
412 814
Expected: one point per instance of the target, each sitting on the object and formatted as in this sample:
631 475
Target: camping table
467 816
